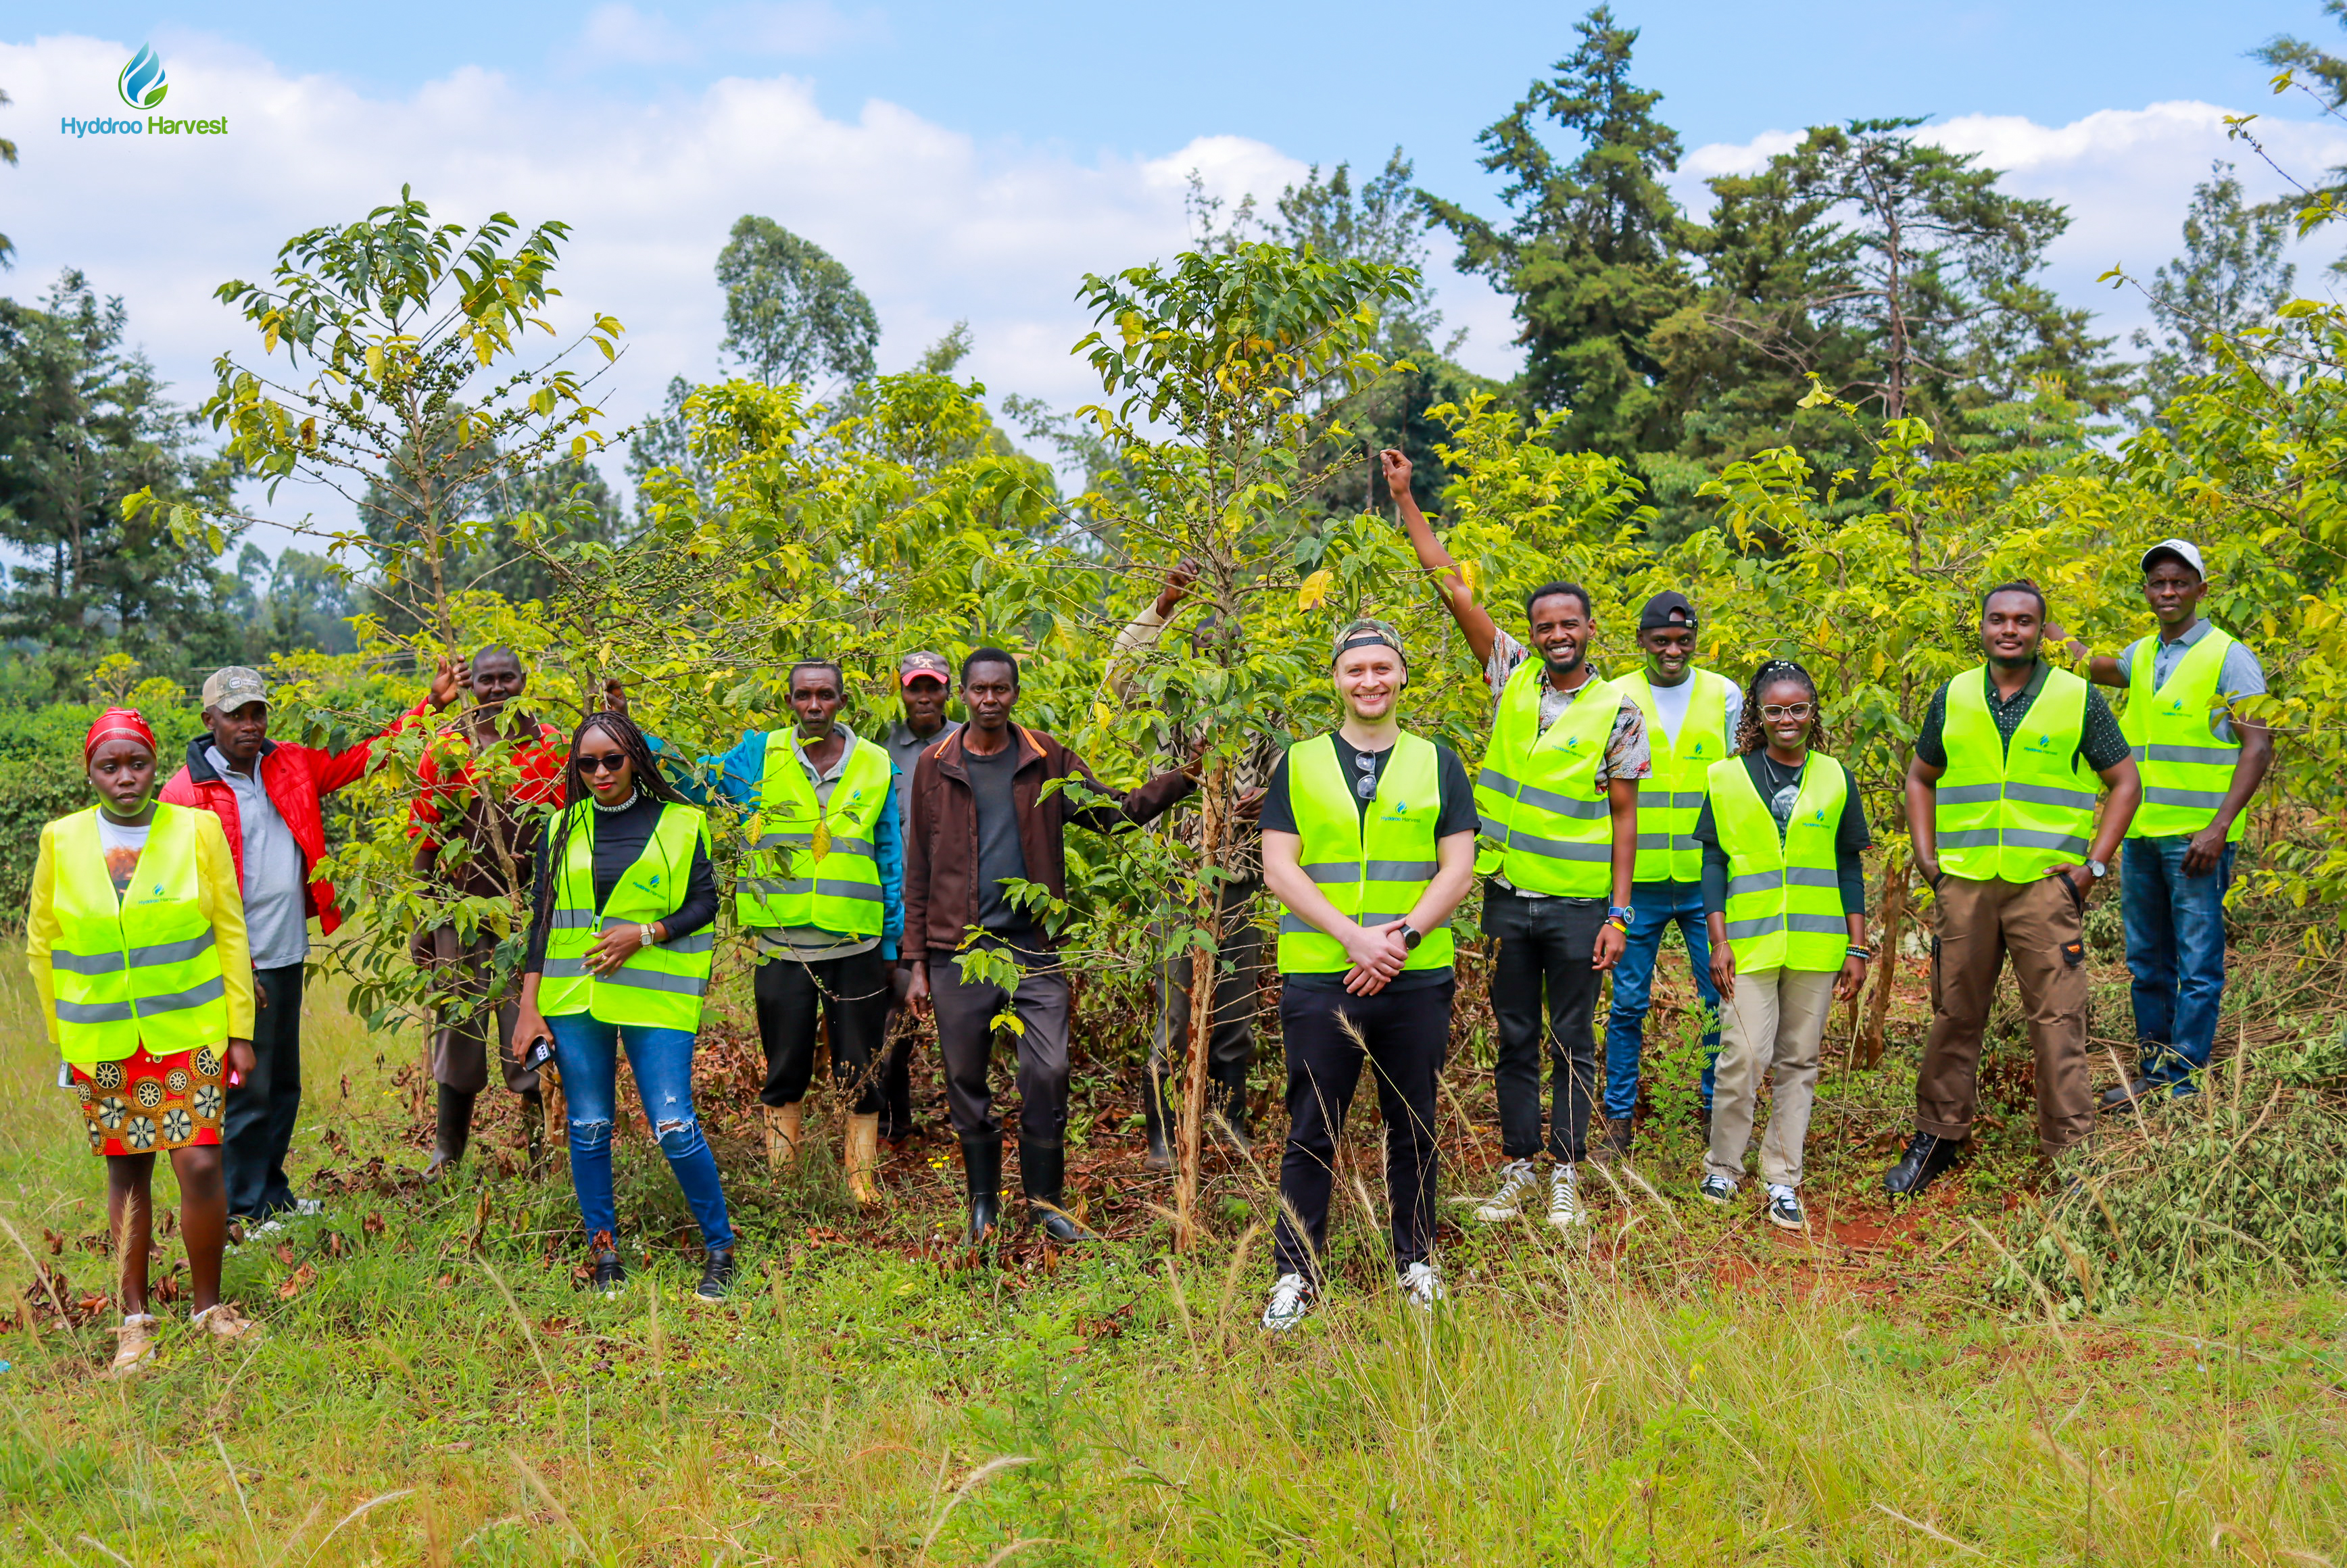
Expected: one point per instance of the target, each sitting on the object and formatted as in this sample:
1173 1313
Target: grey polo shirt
2242 675
904 749
275 922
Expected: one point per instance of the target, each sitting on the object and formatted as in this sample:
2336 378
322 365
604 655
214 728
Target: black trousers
853 992
966 1012
1543 945
1406 1036
1238 970
258 1127
897 1073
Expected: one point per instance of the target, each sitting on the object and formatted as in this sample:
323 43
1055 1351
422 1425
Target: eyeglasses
608 763
1787 710
1365 786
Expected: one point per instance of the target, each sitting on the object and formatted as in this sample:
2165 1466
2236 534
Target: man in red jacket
266 794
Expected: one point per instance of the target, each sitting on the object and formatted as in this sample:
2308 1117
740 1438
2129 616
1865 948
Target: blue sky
972 162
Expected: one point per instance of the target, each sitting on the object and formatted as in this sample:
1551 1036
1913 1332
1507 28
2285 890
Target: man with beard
1558 799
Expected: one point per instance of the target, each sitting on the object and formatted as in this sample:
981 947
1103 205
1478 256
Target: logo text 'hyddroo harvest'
141 85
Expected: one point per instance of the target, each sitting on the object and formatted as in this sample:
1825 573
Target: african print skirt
144 1102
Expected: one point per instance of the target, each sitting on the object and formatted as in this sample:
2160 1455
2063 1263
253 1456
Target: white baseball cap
2184 551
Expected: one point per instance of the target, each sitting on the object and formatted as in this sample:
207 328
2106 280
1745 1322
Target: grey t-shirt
904 749
275 922
2242 675
999 854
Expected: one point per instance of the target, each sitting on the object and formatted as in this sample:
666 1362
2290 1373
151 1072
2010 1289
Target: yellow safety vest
2187 770
142 969
1670 801
792 879
1546 825
2015 812
1784 897
1373 869
661 986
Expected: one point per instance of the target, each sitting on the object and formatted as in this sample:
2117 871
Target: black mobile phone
541 1051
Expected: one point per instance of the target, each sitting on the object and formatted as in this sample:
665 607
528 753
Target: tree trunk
1886 974
1205 968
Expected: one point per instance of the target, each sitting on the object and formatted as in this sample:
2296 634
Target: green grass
1680 1386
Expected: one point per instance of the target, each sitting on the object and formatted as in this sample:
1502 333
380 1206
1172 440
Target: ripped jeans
586 1051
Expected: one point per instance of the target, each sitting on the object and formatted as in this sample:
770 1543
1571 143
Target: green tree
83 425
1592 256
790 310
2231 277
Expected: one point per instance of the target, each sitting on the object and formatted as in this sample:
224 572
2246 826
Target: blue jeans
588 1052
2175 951
1658 904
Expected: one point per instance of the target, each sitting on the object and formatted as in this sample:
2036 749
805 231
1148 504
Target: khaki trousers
1774 1024
1980 925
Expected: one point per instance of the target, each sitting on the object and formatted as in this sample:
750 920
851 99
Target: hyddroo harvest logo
142 84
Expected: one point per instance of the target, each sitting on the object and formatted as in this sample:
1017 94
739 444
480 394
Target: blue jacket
740 777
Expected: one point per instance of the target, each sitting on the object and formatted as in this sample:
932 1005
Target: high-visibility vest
1546 825
2186 769
1670 800
142 969
1374 869
1784 897
660 987
2015 812
809 865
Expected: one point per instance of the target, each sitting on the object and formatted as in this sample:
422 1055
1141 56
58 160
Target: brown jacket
941 839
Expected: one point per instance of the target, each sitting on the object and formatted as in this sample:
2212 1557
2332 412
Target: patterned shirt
1628 755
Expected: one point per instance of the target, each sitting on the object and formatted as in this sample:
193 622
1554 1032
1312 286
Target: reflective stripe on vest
143 968
2015 812
1784 900
659 987
2187 770
1546 825
785 881
1373 870
1670 800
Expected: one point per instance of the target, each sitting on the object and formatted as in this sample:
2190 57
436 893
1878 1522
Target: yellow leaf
821 841
1315 591
375 360
1470 573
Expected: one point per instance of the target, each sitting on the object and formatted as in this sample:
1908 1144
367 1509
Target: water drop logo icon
142 84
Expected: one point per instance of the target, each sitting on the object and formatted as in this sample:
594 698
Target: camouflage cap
1366 631
233 687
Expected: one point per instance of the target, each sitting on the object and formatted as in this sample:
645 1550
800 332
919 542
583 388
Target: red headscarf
117 721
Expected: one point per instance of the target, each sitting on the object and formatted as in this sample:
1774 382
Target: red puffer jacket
297 778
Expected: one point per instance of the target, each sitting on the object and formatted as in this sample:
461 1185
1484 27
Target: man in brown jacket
986 808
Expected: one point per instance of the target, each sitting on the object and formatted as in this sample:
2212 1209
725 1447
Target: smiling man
2001 812
2201 763
1558 795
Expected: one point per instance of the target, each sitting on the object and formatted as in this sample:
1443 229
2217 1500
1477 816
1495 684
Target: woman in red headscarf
136 939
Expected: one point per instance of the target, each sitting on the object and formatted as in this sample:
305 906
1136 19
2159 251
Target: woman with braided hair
621 936
1784 897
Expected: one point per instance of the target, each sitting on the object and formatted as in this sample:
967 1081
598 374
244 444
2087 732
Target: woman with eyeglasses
1784 900
621 932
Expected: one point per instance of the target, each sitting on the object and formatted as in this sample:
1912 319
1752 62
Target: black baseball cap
1668 608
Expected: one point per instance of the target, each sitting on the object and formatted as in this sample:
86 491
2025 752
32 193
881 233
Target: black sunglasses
1365 786
608 763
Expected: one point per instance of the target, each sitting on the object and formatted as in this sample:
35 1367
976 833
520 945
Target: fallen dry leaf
297 1282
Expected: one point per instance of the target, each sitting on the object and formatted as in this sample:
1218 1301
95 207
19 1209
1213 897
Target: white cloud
936 226
2126 175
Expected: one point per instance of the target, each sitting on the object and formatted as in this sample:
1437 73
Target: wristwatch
1411 936
1622 916
2097 869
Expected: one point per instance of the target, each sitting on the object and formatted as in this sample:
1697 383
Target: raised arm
1134 642
1473 620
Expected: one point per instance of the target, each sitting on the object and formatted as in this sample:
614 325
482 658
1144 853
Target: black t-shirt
998 852
1458 816
1779 787
619 838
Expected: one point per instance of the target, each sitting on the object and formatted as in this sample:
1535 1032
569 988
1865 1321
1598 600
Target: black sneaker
1927 1156
2128 1096
610 1275
716 1276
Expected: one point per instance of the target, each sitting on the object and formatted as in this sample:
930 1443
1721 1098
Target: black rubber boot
716 1276
1927 1156
1226 1105
1043 1171
1152 1107
610 1275
981 1163
452 1128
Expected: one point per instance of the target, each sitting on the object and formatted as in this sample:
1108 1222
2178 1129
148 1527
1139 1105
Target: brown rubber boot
783 1135
862 1156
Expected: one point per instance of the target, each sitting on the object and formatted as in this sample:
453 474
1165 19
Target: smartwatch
1411 936
1621 915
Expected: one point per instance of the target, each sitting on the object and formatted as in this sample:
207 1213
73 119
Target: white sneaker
263 1229
1715 1189
1422 1287
1564 1210
1518 1183
1291 1299
134 1345
1785 1208
307 1207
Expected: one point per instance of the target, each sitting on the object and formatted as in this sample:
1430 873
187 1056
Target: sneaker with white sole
305 1208
1785 1208
1715 1190
222 1321
1564 1210
1518 1183
1291 1299
1421 1287
134 1345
